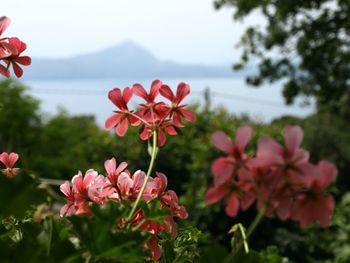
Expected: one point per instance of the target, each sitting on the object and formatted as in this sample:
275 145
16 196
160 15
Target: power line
214 94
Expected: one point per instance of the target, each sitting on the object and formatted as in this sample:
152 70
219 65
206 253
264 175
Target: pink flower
169 198
121 119
9 161
15 59
84 191
113 171
6 49
178 111
150 97
155 248
163 128
4 24
239 196
69 208
315 205
223 167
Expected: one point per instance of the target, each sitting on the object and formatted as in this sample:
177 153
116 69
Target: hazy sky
181 30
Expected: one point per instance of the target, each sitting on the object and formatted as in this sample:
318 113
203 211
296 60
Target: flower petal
215 194
222 141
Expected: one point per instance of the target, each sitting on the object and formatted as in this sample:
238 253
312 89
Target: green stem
249 232
150 167
256 222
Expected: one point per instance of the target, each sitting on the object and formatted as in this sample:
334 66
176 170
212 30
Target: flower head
9 160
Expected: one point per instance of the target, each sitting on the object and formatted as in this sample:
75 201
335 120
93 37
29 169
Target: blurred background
263 63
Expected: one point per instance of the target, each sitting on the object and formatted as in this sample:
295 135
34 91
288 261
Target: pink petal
127 94
166 92
215 194
144 134
138 179
112 121
121 167
247 200
17 69
328 172
284 208
189 115
89 177
222 141
4 71
243 135
25 60
77 182
140 91
183 90
155 248
162 181
4 23
125 183
232 205
161 138
115 96
18 44
170 130
269 150
65 188
155 86
122 127
110 165
222 169
293 136
64 209
177 120
12 159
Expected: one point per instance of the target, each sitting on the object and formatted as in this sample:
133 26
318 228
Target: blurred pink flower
9 160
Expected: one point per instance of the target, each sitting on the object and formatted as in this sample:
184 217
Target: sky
189 31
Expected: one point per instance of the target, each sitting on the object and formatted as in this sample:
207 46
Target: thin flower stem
139 225
139 118
256 222
258 218
150 167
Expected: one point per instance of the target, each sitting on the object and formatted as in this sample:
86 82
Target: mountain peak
126 59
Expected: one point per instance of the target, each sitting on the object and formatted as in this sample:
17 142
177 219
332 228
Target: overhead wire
223 95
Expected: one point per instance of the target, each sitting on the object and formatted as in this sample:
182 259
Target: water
90 96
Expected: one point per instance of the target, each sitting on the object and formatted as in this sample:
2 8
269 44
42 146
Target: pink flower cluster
280 178
11 49
118 184
164 118
9 160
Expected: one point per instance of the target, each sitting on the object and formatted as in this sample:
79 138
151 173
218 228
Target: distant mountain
121 61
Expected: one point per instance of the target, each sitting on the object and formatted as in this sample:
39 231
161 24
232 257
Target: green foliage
99 238
184 249
60 146
270 255
19 118
304 44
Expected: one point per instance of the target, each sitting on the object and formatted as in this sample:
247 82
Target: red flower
164 127
176 110
121 119
152 111
15 58
5 48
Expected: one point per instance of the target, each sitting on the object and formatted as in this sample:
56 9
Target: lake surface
90 96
